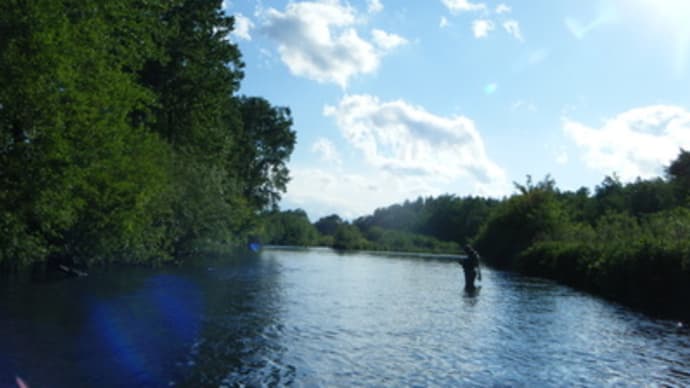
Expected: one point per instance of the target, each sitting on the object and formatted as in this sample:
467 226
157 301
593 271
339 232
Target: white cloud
387 41
513 28
326 150
407 152
322 192
409 141
318 41
374 6
444 22
502 8
243 26
635 143
457 6
481 28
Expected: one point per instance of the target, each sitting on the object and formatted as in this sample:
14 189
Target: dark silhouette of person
470 266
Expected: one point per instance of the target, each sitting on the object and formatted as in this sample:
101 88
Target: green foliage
627 241
394 240
79 179
679 174
610 196
120 136
650 196
265 144
348 236
446 217
328 225
640 261
291 227
518 222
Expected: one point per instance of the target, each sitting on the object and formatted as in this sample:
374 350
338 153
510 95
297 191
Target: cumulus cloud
387 41
407 140
481 28
444 22
322 192
374 6
635 143
457 6
410 152
512 27
326 150
243 27
502 8
318 41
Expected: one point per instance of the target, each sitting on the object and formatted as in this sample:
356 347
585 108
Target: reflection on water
317 318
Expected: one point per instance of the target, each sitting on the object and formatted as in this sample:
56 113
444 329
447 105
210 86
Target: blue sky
396 99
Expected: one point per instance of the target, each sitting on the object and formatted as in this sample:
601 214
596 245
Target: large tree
121 136
266 142
79 178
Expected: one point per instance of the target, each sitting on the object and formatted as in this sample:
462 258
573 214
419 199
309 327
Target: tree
515 224
264 146
348 236
609 196
328 225
678 173
290 227
120 135
80 179
649 196
195 112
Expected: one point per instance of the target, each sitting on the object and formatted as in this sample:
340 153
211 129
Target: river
314 317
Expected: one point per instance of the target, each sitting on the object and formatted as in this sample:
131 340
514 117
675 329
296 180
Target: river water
319 318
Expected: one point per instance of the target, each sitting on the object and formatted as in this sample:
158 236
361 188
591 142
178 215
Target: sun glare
670 19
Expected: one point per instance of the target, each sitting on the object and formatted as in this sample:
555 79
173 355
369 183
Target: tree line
437 225
122 134
630 241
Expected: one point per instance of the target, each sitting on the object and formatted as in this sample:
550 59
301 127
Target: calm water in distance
319 318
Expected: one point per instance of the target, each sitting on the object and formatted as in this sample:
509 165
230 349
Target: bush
519 222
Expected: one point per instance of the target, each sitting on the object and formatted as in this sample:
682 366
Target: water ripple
310 318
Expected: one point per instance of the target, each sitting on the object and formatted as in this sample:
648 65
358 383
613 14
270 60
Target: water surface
319 318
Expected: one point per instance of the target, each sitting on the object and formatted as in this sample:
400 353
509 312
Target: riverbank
647 275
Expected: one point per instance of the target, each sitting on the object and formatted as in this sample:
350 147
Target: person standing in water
470 266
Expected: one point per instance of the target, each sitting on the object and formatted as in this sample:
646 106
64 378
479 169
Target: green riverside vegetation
122 138
629 242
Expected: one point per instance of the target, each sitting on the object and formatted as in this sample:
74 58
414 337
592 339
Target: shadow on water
193 325
132 321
